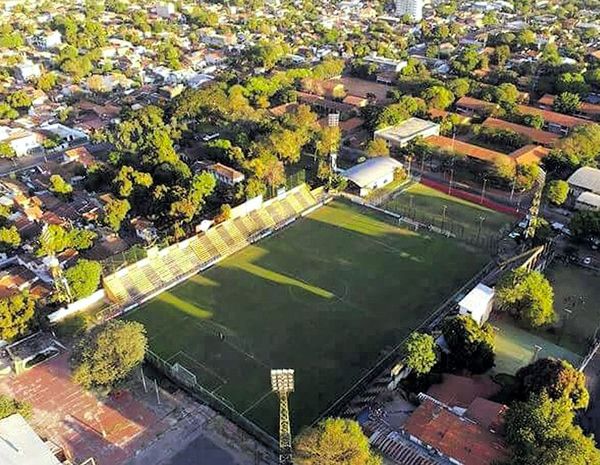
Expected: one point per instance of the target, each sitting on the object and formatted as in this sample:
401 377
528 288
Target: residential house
22 141
27 70
47 40
225 174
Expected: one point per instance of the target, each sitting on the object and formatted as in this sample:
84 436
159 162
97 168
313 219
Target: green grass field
427 205
325 296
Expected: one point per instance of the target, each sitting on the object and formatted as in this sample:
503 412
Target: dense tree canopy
108 353
471 345
334 441
56 238
16 314
557 191
528 296
557 378
420 353
115 212
9 238
541 431
9 406
83 278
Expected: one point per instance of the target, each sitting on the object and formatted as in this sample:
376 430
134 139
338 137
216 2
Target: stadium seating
175 262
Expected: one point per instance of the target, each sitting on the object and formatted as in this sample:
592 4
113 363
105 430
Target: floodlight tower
282 382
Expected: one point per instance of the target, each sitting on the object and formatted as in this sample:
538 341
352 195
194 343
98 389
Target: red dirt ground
110 430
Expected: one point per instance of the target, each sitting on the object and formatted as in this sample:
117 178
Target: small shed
478 303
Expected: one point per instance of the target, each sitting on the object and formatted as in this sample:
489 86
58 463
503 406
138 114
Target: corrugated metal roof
586 178
376 168
19 445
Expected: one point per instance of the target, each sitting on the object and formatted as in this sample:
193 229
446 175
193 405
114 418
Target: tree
585 224
108 353
115 212
507 94
9 238
10 406
471 345
501 54
573 83
557 191
47 82
528 296
541 431
55 238
550 55
6 151
420 353
558 378
169 55
328 141
438 97
334 441
466 61
19 100
16 314
580 148
459 87
377 148
83 278
566 102
59 186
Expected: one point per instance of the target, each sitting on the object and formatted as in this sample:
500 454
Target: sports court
516 347
325 296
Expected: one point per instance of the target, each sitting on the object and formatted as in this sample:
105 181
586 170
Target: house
402 133
545 138
472 106
21 141
553 121
144 229
225 174
385 64
219 40
47 40
460 439
27 70
20 445
372 174
586 109
585 179
588 201
477 303
164 10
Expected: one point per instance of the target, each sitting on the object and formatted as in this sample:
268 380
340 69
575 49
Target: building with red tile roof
461 391
545 138
553 121
459 438
586 109
474 106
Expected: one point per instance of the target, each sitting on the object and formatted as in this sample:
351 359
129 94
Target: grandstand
170 265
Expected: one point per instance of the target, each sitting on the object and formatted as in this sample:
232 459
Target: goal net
183 374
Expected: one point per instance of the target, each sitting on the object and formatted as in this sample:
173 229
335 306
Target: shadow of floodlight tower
282 382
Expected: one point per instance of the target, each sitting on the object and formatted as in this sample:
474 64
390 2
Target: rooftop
366 173
407 129
586 178
536 135
461 391
20 445
478 298
552 116
455 436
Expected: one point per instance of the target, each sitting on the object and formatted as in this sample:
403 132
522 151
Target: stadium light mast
282 382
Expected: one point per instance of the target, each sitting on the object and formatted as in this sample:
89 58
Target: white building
586 179
478 303
385 64
588 201
401 134
47 40
413 8
164 10
225 174
20 445
21 141
28 70
372 174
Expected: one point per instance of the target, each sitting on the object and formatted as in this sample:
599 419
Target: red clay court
109 430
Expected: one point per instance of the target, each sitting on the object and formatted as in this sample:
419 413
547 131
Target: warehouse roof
586 178
366 173
589 198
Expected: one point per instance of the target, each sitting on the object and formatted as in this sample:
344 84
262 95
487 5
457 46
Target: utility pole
282 382
483 190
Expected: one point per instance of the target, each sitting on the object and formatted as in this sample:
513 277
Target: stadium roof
586 178
366 173
20 445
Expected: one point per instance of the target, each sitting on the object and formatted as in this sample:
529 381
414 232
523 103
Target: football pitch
325 296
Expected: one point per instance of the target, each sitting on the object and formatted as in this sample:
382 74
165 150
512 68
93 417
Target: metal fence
211 399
